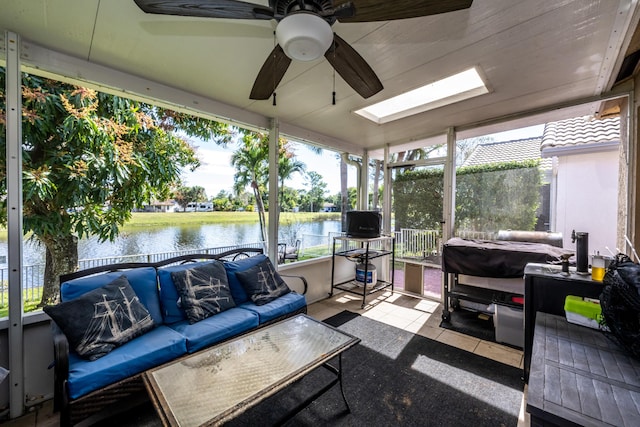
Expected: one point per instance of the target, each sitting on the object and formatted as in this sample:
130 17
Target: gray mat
391 378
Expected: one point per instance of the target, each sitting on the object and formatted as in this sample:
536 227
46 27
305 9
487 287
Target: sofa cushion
233 267
284 305
204 290
142 280
102 319
156 347
216 328
169 295
262 283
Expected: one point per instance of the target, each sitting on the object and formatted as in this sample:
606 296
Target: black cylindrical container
582 252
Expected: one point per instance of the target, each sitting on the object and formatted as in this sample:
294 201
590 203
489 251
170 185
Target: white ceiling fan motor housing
304 36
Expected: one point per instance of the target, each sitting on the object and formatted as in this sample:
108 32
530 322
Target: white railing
417 243
33 275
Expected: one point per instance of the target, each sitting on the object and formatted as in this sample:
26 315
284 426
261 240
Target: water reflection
178 238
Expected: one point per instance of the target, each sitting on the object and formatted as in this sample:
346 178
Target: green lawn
31 299
152 219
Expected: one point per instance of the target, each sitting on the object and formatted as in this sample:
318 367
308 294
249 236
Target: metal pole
14 221
364 183
386 197
274 206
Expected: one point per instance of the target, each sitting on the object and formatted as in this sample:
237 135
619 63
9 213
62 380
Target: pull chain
334 87
334 74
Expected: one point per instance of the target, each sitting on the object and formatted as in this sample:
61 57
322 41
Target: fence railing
417 243
33 275
410 243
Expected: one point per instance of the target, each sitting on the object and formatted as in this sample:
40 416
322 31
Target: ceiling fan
304 31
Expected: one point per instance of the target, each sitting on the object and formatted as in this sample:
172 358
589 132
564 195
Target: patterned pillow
263 283
102 319
204 290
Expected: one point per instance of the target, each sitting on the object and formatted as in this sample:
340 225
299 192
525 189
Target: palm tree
251 163
287 166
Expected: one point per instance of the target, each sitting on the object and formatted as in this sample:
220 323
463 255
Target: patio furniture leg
340 379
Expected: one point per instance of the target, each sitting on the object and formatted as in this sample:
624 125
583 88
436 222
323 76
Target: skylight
457 87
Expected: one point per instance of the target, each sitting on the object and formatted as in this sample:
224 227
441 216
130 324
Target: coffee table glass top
220 382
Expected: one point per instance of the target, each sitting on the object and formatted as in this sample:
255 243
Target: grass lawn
30 299
153 219
159 219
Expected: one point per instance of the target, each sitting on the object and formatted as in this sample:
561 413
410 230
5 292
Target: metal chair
291 254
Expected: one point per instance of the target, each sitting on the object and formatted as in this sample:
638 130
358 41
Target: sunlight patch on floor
474 385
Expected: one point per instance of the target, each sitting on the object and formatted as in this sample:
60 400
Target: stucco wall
587 198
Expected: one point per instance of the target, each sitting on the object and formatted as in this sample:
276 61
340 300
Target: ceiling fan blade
207 9
385 10
270 74
353 68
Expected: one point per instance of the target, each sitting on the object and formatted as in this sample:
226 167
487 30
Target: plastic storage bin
509 324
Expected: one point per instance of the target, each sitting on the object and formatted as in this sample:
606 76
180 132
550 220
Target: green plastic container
583 311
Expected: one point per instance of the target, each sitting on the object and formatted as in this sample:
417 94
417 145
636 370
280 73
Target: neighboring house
166 206
329 207
579 165
585 177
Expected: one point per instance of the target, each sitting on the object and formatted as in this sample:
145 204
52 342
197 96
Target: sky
216 173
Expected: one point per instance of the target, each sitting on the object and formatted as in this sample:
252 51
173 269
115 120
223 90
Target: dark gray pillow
204 290
262 283
102 319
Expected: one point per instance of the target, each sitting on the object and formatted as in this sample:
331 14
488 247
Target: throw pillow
204 290
102 319
263 283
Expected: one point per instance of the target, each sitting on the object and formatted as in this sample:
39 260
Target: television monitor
366 224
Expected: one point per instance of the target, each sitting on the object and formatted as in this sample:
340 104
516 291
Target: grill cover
488 258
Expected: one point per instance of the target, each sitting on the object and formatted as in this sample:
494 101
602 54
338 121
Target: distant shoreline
158 219
152 219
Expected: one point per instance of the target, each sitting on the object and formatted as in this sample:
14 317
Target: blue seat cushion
169 293
143 281
216 328
232 267
284 305
154 348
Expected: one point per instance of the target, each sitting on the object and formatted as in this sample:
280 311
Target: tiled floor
403 311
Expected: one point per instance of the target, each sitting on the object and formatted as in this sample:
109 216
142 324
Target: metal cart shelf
363 250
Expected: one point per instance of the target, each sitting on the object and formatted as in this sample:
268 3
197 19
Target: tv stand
361 251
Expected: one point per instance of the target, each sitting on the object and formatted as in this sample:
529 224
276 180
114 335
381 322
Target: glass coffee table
219 383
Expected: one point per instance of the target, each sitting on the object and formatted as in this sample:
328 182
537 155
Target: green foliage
89 159
417 197
315 194
488 197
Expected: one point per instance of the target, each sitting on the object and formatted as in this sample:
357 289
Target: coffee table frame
300 333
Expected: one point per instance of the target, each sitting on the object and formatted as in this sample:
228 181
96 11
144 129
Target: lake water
171 239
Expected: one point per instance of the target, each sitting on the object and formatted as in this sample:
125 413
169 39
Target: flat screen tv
364 224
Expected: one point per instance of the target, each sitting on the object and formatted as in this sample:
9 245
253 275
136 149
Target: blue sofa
84 387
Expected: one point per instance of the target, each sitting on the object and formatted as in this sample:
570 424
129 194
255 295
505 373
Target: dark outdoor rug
469 323
391 378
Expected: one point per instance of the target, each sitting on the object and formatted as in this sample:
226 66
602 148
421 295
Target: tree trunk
260 207
61 258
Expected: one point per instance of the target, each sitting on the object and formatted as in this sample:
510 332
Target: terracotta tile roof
580 131
506 151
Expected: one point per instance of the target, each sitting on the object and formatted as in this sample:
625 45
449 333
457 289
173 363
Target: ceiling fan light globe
304 36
